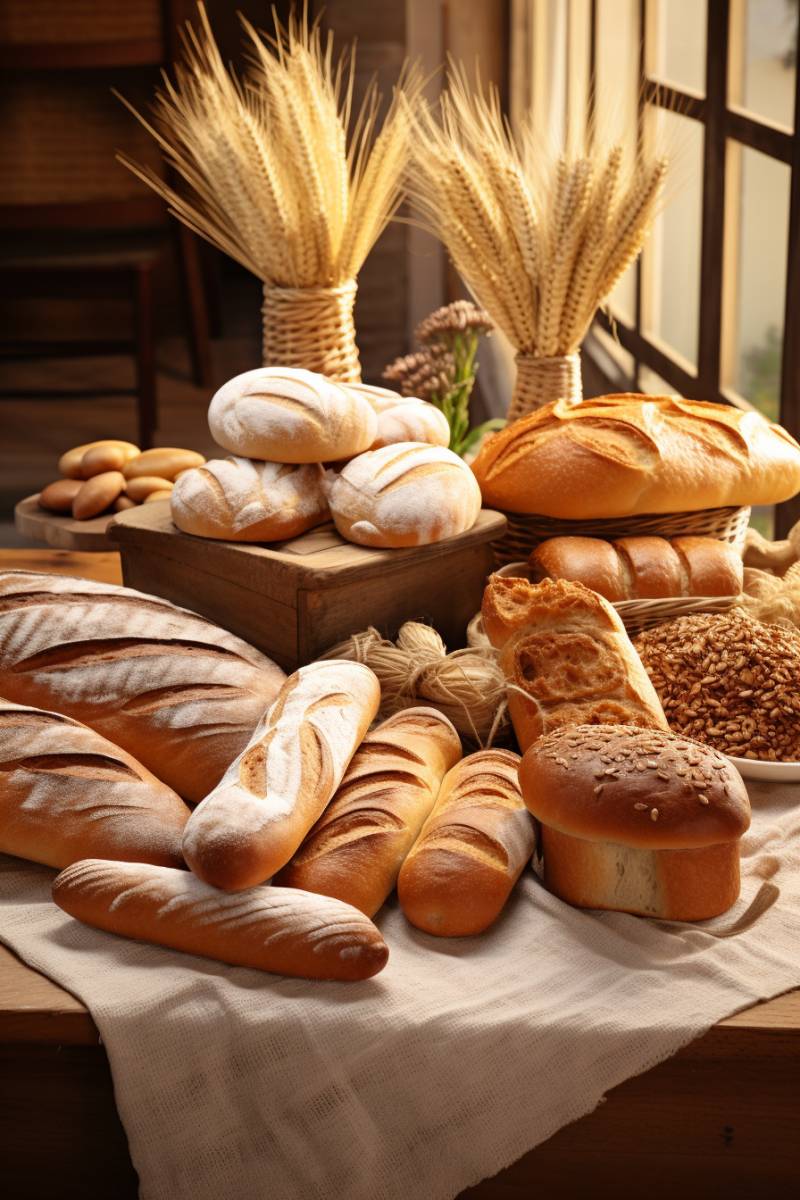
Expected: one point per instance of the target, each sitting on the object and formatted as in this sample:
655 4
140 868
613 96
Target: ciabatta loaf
567 658
472 849
243 500
67 793
357 847
406 494
274 929
255 819
613 456
289 415
177 692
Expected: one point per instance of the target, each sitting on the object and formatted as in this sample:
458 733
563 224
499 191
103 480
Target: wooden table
719 1118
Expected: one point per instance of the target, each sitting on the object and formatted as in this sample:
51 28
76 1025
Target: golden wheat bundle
540 236
279 171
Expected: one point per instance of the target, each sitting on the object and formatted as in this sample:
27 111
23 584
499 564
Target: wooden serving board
63 532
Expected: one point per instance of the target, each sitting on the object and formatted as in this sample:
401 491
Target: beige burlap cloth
456 1060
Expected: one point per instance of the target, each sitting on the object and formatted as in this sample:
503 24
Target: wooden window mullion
786 514
711 252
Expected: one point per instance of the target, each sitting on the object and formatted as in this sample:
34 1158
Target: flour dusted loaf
406 494
177 692
67 793
356 848
274 929
472 849
617 455
403 418
567 658
255 819
289 415
638 820
242 500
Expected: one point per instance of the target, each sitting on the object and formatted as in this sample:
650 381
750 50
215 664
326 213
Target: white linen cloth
453 1062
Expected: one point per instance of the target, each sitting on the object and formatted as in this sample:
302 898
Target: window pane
763 51
676 42
671 255
654 385
620 359
617 65
756 236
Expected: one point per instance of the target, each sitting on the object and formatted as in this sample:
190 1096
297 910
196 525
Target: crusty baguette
567 658
472 849
357 847
282 930
67 793
257 816
177 692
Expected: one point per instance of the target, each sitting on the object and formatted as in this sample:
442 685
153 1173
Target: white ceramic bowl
775 772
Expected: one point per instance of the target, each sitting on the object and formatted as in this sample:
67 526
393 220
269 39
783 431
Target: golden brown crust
653 568
713 568
589 561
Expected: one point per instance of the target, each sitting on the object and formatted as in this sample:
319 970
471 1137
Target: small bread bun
99 459
165 462
713 568
407 494
58 496
140 487
637 820
159 494
97 494
589 561
70 463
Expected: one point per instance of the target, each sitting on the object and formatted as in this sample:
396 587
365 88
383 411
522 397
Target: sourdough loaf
403 418
177 692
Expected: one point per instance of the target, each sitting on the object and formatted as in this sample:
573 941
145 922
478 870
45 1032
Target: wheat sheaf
279 169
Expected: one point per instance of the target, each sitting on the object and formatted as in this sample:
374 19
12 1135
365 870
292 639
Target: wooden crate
296 599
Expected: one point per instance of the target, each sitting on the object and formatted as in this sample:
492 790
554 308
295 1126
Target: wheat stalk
276 170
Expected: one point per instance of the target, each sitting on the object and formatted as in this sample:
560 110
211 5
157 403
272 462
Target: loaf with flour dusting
406 494
274 929
255 819
242 500
357 847
67 793
404 418
177 692
289 415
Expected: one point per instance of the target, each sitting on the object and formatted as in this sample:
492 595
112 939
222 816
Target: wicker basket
312 328
525 532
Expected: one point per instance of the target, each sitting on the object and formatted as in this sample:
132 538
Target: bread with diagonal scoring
177 692
67 793
356 849
282 930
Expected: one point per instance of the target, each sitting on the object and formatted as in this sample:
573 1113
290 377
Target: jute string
540 380
311 328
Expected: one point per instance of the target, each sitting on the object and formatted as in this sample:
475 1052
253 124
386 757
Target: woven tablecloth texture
453 1062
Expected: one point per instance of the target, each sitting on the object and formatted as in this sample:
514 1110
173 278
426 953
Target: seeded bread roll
289 415
356 848
638 821
177 692
472 849
282 930
66 792
567 658
245 501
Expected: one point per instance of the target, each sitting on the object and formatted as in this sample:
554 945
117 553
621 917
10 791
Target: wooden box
296 599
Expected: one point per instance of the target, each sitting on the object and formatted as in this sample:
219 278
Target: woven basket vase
541 380
311 328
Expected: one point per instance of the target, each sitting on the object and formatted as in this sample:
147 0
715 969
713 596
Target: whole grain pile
729 682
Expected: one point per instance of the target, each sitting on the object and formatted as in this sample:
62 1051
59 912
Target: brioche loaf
356 848
66 792
282 930
567 658
406 494
641 568
617 455
177 692
255 819
640 821
472 849
245 501
289 415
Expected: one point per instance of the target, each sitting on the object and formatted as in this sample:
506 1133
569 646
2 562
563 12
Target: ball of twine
466 685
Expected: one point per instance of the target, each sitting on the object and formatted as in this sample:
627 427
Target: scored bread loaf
614 456
641 568
245 501
67 793
566 657
405 494
282 930
177 692
270 796
290 415
472 849
403 418
356 848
